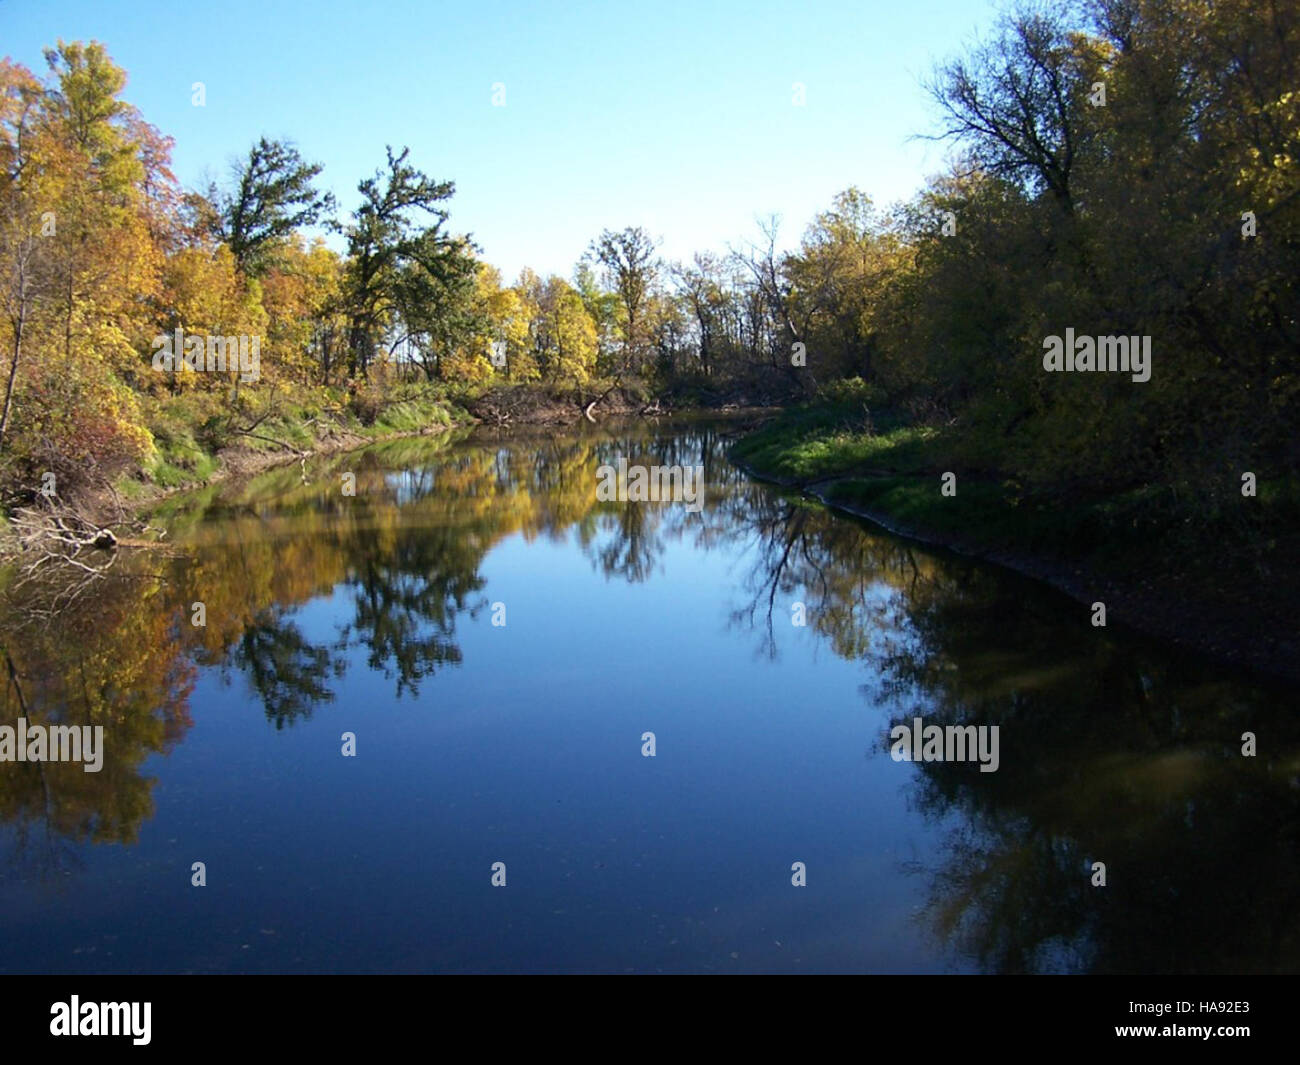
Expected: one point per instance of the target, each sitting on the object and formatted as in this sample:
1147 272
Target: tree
20 238
702 289
566 335
630 269
602 307
400 260
301 295
84 179
273 197
775 323
838 280
94 177
1023 101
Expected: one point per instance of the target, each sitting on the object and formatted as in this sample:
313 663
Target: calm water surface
521 743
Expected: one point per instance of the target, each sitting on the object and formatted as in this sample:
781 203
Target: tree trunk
18 324
13 372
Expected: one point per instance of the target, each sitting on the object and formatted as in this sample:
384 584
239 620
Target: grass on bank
849 447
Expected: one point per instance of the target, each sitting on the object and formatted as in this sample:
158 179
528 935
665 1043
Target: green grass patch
412 416
803 451
894 471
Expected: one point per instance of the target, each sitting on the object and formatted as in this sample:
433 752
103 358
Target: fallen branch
592 405
272 440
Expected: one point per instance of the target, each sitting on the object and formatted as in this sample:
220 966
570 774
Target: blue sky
674 116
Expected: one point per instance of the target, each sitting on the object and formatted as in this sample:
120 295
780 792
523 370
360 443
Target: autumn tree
565 335
631 268
84 179
21 248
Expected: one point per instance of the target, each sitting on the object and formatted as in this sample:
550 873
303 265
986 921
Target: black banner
144 1014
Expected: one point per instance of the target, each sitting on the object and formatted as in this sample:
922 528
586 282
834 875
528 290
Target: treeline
1123 167
118 285
105 257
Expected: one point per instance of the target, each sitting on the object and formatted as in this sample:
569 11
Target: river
432 706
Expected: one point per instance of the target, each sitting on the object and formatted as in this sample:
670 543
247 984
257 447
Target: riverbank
193 448
1224 587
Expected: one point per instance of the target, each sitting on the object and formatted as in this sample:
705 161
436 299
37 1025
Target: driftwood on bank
52 533
592 405
64 552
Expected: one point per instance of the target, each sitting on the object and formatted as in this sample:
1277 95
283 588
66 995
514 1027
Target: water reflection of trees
286 671
1108 753
404 553
110 662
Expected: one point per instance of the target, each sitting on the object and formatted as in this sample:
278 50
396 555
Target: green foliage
272 199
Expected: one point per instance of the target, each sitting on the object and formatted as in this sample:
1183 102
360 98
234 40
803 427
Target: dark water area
521 742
